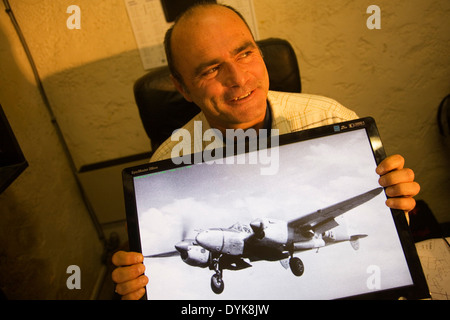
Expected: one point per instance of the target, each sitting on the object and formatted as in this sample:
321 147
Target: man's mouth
242 97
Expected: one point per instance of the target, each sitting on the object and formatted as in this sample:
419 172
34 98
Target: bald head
196 15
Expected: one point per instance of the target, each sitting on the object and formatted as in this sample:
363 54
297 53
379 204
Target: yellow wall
397 74
45 226
88 75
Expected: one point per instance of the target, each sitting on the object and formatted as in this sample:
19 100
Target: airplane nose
211 240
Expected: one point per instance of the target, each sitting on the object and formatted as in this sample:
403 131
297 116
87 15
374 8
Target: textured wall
88 75
44 224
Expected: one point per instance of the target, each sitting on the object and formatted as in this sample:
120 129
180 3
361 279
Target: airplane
267 239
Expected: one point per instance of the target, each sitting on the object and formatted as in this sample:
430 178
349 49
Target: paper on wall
149 26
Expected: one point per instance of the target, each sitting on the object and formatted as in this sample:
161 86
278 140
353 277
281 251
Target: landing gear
296 266
217 284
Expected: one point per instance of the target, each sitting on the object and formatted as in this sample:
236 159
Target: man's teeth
244 96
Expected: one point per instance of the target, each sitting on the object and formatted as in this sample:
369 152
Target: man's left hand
399 183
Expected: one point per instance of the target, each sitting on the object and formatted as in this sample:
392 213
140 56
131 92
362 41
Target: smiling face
221 66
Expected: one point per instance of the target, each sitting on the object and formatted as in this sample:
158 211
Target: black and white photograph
317 229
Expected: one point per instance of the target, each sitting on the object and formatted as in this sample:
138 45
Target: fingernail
139 258
390 203
379 169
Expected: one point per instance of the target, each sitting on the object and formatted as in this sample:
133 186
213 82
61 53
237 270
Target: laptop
299 216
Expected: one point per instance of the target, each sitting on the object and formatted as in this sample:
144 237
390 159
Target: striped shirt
290 112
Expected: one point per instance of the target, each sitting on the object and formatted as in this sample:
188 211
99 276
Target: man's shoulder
295 100
299 111
164 151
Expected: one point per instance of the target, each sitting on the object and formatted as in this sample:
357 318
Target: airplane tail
354 240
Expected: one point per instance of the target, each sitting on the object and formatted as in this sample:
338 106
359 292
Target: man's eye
246 54
210 71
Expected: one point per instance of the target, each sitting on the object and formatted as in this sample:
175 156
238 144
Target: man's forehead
205 12
208 31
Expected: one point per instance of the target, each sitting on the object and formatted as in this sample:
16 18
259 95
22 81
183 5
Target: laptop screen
304 219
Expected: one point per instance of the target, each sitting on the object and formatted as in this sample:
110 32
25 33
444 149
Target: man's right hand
129 274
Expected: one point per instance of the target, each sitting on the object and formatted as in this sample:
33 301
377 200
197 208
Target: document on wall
149 26
434 255
245 7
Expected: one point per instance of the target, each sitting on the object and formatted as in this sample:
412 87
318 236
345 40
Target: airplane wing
323 219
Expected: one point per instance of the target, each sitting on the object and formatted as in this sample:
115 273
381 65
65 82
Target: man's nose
235 75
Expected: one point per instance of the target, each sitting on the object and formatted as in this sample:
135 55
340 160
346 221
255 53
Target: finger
405 204
136 295
123 258
394 162
396 177
407 189
130 287
124 274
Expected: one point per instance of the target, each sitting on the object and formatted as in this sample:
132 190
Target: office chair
162 109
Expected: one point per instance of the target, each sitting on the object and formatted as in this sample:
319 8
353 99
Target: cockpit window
237 226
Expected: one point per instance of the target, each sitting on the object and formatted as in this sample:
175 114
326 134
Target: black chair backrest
163 109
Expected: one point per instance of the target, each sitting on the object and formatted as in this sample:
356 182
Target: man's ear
181 89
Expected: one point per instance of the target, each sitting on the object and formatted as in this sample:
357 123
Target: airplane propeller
181 246
163 255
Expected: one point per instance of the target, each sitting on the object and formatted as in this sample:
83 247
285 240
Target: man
216 63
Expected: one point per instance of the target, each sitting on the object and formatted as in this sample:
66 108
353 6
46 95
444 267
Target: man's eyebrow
245 46
202 66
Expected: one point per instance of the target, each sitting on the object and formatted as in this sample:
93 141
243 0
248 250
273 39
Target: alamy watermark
74 280
374 21
373 282
74 20
236 142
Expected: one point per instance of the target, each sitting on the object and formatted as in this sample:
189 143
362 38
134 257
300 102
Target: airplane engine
197 257
222 241
270 231
193 254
